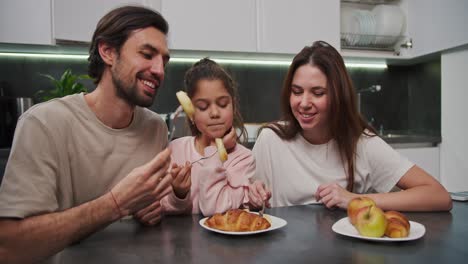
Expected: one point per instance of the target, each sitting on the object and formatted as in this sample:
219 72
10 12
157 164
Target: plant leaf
66 85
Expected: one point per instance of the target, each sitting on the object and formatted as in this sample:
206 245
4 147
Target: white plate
345 228
276 223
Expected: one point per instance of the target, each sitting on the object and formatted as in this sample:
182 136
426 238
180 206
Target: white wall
454 147
426 158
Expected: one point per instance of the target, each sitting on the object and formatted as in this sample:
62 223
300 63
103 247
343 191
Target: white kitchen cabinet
380 43
26 21
432 26
428 158
436 25
77 20
454 146
288 26
216 25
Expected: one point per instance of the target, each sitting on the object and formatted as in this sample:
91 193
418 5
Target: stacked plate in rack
382 25
390 23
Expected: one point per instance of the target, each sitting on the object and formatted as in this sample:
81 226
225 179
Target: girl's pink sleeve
172 205
223 188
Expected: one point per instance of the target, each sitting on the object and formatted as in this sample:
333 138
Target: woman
323 150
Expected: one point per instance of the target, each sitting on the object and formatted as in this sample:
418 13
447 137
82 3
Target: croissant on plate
237 220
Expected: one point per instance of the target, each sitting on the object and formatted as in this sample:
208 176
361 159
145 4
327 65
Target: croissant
398 225
237 220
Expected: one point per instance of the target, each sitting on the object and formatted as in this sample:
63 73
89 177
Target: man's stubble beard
129 92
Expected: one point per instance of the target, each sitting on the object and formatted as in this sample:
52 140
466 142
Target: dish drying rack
374 42
369 2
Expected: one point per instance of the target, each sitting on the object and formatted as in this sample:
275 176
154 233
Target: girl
212 186
324 151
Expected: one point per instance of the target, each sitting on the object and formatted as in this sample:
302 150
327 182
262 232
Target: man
79 163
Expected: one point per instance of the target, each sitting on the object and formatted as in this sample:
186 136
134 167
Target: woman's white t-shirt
293 169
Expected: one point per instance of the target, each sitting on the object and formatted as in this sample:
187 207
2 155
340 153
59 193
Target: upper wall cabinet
436 25
77 20
375 26
26 21
288 26
217 25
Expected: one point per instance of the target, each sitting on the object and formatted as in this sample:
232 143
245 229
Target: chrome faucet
372 89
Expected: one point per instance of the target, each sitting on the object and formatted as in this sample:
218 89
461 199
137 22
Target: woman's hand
333 195
258 194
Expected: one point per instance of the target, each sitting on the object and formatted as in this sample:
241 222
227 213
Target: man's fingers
151 215
158 162
162 189
147 209
161 173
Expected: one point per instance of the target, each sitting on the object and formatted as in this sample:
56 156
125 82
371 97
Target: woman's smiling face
309 102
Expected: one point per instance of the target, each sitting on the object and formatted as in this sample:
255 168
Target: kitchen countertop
398 140
307 238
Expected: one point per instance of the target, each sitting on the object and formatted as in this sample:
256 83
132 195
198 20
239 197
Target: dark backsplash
409 99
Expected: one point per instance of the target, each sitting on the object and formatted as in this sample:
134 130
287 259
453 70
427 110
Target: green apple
371 221
355 205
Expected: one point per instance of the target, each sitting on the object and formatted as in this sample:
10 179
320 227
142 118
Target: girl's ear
107 53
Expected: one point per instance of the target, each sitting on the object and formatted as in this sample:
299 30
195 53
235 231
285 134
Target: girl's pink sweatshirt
216 186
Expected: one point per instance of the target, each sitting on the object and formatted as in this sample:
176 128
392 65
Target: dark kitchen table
307 238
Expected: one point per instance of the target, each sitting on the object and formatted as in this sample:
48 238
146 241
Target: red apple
356 204
371 221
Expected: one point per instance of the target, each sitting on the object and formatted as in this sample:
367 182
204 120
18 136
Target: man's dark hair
115 28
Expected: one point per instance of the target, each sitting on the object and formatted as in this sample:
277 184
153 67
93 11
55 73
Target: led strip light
191 60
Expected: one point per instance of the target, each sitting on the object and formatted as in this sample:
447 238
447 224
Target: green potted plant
66 85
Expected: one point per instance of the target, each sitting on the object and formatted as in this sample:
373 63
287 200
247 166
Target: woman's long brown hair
346 124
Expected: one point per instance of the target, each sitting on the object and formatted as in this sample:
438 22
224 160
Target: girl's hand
258 194
182 179
230 139
333 195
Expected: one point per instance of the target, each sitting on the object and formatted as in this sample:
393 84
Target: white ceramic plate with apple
276 223
345 228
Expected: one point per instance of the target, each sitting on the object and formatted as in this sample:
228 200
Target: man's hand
258 194
151 215
143 185
182 180
230 139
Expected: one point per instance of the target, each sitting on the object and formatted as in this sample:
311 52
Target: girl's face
309 102
213 109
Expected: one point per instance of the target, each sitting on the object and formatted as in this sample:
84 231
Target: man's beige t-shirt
63 156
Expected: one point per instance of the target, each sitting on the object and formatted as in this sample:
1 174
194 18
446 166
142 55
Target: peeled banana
186 103
223 156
